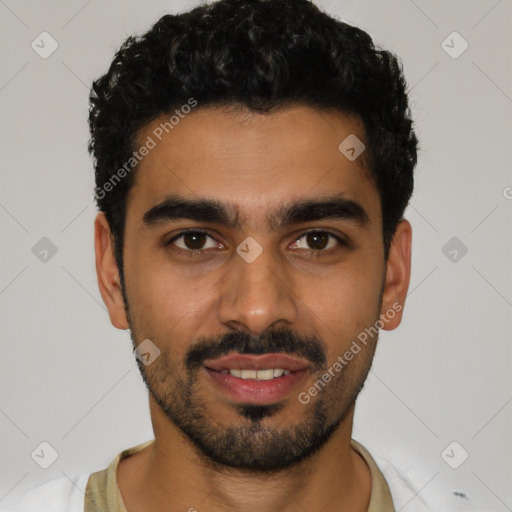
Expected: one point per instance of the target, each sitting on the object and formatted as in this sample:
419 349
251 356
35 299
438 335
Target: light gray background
69 378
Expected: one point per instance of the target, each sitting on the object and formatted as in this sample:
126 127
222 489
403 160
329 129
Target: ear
107 273
398 273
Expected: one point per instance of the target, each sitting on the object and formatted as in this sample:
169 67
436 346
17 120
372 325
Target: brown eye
192 241
318 241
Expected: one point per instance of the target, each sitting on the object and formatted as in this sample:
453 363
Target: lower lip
251 391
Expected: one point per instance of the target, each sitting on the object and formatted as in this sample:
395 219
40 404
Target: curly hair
261 55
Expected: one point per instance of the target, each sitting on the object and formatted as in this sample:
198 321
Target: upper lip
259 362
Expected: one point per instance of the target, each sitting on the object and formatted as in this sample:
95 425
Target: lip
261 392
257 362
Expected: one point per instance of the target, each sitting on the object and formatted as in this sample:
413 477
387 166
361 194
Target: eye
192 241
318 241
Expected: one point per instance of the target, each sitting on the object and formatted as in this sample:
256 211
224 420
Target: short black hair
260 55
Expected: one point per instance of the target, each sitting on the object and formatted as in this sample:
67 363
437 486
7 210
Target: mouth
267 374
261 379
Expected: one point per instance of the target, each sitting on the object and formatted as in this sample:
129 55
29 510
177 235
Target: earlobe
398 273
107 273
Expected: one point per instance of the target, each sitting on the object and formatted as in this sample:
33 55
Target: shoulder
60 494
403 489
414 485
401 482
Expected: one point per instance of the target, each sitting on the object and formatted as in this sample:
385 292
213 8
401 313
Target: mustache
282 341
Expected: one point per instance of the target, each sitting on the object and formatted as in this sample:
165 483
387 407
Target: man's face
303 285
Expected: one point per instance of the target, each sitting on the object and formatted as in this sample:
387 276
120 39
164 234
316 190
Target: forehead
254 163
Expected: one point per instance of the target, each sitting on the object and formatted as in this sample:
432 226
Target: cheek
170 306
158 286
167 303
346 293
342 305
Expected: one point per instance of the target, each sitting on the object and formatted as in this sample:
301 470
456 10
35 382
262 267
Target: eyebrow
335 207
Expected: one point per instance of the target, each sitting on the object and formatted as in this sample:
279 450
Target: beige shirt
103 494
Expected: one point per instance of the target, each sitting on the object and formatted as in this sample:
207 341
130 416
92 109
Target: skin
255 163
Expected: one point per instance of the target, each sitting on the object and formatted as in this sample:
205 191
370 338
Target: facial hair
252 445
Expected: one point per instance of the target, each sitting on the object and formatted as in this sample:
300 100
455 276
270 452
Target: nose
257 295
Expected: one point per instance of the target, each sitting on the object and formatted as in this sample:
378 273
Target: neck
170 475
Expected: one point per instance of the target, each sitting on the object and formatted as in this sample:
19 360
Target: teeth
267 374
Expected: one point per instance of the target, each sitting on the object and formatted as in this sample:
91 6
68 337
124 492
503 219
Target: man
253 162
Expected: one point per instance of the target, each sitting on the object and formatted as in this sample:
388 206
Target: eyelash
200 252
